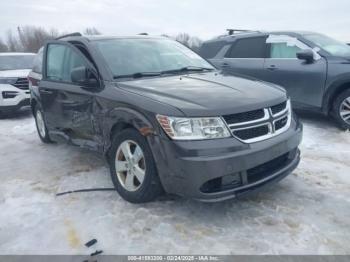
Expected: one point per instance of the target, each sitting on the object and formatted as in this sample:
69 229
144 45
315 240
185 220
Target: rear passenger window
55 59
248 48
210 49
61 61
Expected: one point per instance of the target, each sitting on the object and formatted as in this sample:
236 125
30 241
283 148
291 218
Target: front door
303 81
67 106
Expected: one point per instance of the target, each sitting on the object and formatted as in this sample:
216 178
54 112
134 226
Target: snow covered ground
306 213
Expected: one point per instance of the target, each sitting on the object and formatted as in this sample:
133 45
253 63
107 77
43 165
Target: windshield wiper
188 69
172 71
138 75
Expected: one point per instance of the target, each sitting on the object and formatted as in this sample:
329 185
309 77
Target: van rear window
210 49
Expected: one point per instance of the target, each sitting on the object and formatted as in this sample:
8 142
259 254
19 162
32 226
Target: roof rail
68 35
234 31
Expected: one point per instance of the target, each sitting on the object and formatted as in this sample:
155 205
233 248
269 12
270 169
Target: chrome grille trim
266 117
269 120
279 113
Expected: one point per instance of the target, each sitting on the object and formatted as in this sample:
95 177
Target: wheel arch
122 118
332 93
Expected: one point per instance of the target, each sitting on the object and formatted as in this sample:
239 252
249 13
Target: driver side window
61 61
284 46
283 50
55 61
73 60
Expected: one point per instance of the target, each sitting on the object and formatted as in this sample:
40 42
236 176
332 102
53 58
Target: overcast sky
202 18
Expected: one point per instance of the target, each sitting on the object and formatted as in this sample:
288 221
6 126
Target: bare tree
3 46
28 38
91 31
183 38
192 42
195 43
12 42
32 38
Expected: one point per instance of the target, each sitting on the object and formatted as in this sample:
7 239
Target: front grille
257 125
281 123
22 83
260 172
244 117
278 108
250 133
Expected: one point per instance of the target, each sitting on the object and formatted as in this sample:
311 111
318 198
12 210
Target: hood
15 73
208 94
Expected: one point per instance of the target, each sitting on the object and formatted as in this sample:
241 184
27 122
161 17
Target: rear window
210 49
16 62
248 48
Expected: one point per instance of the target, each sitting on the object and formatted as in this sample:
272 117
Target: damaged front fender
121 118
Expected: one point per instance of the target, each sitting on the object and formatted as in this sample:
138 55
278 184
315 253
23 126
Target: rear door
303 81
246 57
67 106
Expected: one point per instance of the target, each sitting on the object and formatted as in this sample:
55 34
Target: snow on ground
306 213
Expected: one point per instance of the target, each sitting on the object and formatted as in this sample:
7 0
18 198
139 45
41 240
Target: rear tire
41 126
137 179
341 109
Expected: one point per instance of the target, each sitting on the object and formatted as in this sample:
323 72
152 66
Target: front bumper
20 98
214 170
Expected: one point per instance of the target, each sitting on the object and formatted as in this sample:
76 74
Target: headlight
179 128
9 81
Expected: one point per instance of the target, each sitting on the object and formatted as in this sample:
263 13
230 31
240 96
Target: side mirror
306 54
84 77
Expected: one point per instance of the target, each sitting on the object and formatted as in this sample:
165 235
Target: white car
14 86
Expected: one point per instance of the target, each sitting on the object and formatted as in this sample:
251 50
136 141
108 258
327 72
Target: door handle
46 91
225 65
272 67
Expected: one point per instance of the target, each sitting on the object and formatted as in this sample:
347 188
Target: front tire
132 167
41 126
341 109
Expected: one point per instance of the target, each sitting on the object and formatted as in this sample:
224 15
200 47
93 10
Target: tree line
31 38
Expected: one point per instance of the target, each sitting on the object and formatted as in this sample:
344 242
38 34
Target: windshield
134 56
332 46
13 62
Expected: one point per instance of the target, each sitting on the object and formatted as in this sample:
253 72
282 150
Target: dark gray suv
313 68
164 117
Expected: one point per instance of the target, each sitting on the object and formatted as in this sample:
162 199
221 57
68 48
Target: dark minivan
165 119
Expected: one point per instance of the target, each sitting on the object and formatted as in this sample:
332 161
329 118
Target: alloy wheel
130 165
40 123
345 110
